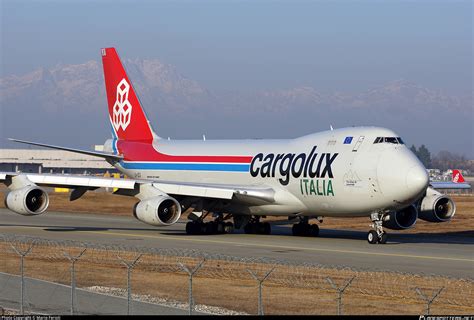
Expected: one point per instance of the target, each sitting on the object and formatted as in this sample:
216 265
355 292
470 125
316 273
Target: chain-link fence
84 276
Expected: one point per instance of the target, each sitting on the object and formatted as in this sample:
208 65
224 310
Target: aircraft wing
246 194
449 185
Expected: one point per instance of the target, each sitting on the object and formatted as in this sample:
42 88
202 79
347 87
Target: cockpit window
394 140
391 140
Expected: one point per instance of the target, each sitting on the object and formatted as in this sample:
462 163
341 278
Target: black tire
190 227
260 228
203 228
296 229
267 228
254 228
314 230
372 237
248 228
212 227
229 227
220 227
194 228
384 238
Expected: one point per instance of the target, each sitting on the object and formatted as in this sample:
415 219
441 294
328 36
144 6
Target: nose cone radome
401 176
417 179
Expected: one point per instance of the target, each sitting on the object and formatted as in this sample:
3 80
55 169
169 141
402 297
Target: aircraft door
358 143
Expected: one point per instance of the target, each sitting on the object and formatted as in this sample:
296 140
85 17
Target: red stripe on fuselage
144 151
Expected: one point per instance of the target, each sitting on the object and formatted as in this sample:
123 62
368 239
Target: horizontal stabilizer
107 156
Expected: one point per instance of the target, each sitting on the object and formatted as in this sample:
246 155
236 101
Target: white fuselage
332 173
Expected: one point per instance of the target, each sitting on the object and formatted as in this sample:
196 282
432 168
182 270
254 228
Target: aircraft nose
401 176
417 179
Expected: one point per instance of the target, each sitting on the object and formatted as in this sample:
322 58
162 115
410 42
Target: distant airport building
52 161
437 175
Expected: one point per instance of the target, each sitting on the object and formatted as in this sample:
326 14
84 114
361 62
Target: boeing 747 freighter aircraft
349 172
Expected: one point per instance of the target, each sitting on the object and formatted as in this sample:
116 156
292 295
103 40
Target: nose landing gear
378 235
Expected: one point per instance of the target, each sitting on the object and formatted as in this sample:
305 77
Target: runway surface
450 254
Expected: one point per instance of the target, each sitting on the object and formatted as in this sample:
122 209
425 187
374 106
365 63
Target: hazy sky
347 46
337 45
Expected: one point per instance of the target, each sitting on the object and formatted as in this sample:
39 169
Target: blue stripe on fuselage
186 166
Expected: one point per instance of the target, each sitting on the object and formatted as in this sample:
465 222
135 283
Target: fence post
429 301
260 285
22 255
340 292
130 265
73 260
191 274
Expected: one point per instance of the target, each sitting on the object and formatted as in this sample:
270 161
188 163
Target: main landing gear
377 235
304 229
218 226
254 226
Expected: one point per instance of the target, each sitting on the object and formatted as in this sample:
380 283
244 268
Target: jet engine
402 219
436 207
28 201
161 210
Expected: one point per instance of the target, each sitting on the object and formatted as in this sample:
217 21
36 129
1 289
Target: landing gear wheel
194 228
229 227
314 230
207 228
248 228
296 229
203 227
372 237
190 227
220 227
383 238
267 229
257 228
263 228
305 230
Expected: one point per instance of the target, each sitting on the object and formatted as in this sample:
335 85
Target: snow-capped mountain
177 105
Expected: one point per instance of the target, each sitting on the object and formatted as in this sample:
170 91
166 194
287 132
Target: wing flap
195 190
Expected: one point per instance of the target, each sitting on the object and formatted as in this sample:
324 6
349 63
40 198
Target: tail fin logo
457 177
122 111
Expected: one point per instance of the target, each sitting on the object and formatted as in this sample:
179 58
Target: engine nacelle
161 210
28 201
402 219
436 207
